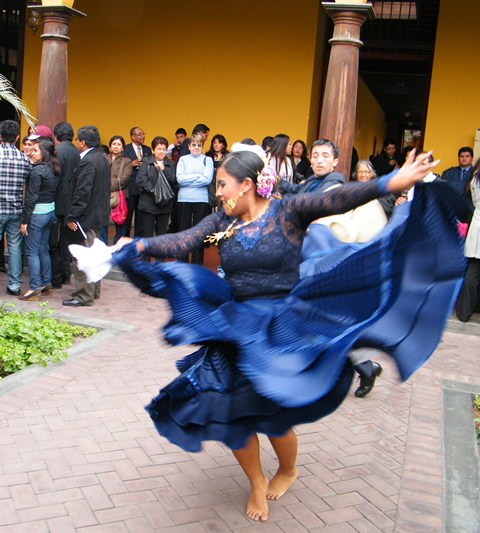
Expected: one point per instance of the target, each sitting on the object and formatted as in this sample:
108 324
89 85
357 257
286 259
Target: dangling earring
231 203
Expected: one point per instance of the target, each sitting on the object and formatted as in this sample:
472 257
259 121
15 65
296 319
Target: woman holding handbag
120 174
156 179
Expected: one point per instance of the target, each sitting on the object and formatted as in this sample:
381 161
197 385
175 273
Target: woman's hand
399 201
23 229
140 246
412 172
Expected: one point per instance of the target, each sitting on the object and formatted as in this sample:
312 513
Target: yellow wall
454 104
369 123
245 68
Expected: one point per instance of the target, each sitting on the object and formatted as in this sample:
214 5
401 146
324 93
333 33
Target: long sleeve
170 173
181 244
85 177
31 194
194 174
308 207
143 177
124 167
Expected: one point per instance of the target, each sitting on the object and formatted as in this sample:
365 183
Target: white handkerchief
95 261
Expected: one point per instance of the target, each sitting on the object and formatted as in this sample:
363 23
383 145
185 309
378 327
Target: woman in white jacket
467 301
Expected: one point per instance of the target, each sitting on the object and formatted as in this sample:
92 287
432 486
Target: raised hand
412 171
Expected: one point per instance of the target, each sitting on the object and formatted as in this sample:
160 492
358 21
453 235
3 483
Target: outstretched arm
177 244
311 206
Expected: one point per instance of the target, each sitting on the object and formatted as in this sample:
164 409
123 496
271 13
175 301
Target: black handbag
163 191
54 237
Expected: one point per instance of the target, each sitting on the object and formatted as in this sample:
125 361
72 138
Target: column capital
56 10
348 18
365 10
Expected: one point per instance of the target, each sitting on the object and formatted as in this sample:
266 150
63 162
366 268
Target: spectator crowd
59 191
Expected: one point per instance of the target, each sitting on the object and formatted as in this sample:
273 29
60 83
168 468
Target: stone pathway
79 453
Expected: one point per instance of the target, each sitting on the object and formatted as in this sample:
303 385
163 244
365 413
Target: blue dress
273 348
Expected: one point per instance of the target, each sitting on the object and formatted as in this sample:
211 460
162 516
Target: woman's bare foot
280 483
257 506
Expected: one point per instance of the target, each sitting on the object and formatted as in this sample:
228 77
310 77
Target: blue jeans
119 232
36 250
104 234
10 224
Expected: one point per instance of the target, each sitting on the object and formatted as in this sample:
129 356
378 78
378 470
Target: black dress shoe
13 293
3 268
366 384
73 302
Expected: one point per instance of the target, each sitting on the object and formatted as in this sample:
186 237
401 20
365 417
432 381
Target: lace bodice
262 259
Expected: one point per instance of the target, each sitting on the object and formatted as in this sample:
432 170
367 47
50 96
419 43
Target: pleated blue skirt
264 366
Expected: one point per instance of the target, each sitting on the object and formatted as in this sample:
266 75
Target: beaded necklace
231 228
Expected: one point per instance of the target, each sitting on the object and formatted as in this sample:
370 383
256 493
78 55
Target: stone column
53 79
337 121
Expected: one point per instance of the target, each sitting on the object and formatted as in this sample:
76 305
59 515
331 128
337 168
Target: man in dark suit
458 177
136 151
387 160
69 158
89 207
323 156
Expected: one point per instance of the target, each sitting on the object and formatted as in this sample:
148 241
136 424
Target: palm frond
8 93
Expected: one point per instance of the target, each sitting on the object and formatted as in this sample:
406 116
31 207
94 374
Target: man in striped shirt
14 168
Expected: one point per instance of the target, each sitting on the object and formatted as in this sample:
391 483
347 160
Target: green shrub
476 401
33 337
476 404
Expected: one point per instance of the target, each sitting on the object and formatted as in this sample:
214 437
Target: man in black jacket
387 160
323 156
458 177
201 129
89 207
69 158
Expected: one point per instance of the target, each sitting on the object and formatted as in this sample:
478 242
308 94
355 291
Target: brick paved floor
79 453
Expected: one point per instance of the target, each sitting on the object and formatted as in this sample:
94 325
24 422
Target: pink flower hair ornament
267 177
266 180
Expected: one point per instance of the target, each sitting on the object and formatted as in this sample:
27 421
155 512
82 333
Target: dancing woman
274 350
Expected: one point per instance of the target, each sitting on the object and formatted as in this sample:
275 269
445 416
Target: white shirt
85 152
